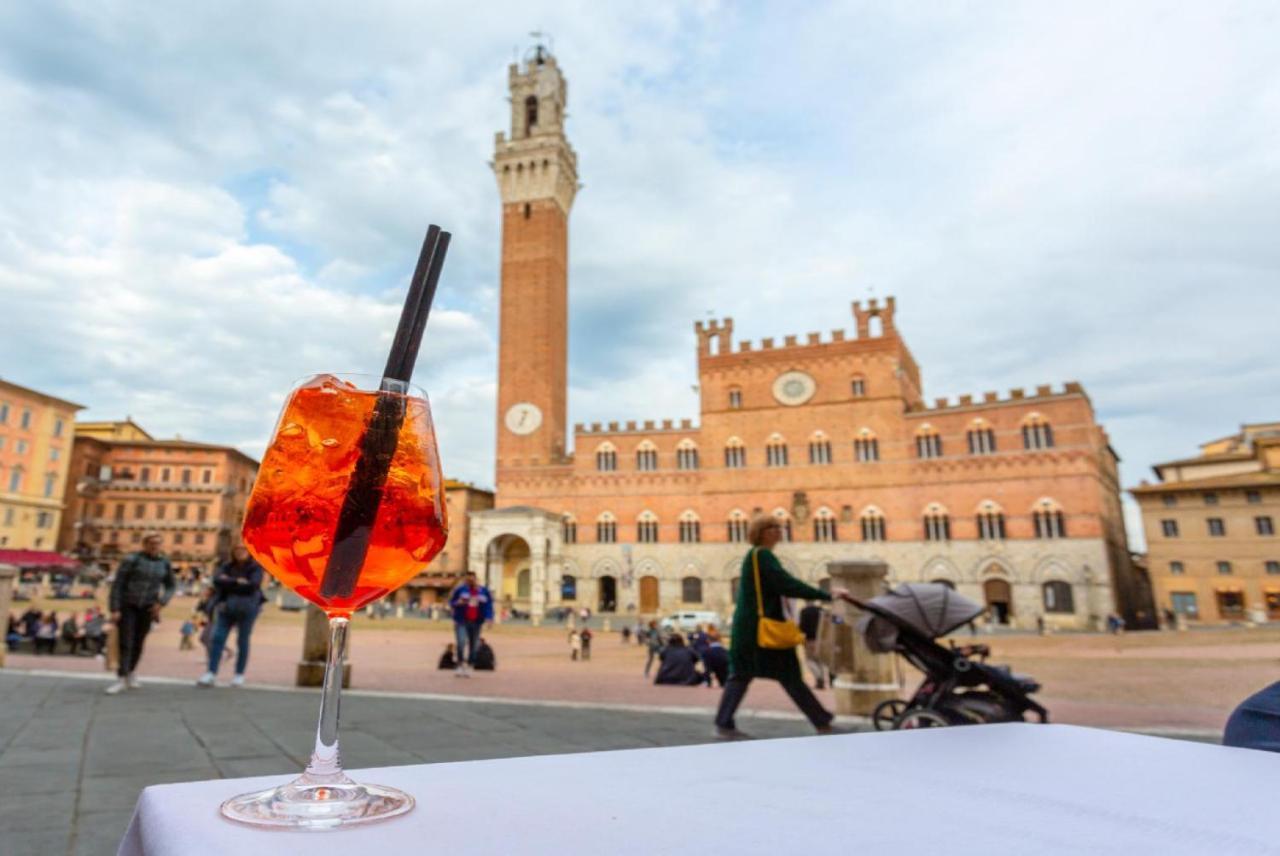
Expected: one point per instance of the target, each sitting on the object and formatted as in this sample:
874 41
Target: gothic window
1049 520
530 114
569 529
872 525
1037 434
691 590
819 449
687 455
606 528
928 443
606 458
937 524
647 528
866 448
982 440
990 522
824 525
858 386
568 587
784 520
775 452
690 528
646 457
737 526
1058 597
735 398
735 455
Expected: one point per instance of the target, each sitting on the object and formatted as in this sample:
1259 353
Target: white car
687 622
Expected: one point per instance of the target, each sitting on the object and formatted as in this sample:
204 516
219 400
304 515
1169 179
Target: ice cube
293 429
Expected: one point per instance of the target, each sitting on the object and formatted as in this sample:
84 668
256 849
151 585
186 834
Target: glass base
317 803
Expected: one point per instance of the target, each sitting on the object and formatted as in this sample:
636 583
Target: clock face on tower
793 388
523 418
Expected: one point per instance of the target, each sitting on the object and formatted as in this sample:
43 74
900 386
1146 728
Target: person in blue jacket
237 598
472 607
1255 724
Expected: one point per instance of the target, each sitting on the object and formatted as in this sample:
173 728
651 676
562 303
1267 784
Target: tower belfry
537 173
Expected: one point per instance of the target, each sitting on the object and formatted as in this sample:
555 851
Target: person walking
472 607
585 638
747 659
653 637
810 620
143 584
575 644
237 599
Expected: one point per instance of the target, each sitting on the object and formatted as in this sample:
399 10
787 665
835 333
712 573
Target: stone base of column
311 674
315 651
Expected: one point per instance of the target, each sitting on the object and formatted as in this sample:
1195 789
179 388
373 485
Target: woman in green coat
747 659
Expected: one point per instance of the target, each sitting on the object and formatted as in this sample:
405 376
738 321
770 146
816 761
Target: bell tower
537 172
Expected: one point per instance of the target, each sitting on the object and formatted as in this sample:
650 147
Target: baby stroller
959 687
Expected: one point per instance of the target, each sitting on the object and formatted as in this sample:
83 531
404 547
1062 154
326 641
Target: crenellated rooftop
1016 395
648 426
715 337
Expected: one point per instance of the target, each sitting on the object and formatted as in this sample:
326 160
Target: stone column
862 679
315 650
8 573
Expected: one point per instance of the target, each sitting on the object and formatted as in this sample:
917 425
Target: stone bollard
315 651
8 573
862 679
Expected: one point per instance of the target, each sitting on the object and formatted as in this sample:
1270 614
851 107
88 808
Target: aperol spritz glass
290 526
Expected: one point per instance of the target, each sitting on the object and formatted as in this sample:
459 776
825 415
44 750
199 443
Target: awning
36 559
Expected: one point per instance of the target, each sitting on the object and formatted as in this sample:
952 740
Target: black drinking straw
378 444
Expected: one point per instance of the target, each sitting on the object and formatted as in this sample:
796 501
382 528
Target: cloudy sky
202 202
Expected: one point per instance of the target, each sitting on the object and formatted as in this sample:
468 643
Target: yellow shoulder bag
770 632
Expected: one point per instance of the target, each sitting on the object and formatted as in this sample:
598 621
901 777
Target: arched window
690 528
523 583
737 526
982 440
646 457
1037 433
866 448
687 455
990 522
691 590
1058 597
937 523
606 458
872 524
1049 520
569 529
824 526
735 398
530 114
775 451
568 587
819 448
606 528
735 455
647 528
784 520
928 443
858 386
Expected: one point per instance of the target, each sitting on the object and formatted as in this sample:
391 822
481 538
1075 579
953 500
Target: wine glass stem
325 758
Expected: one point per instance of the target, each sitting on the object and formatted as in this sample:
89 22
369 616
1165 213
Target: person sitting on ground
72 634
679 664
715 659
1255 724
447 660
47 634
485 661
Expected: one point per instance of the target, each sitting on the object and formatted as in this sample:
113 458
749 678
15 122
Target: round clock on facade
793 388
523 418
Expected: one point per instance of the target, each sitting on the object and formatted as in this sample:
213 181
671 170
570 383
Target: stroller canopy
930 609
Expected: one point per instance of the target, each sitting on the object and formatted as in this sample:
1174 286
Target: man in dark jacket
237 597
679 665
143 584
472 606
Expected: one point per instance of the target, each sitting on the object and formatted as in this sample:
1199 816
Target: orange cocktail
293 513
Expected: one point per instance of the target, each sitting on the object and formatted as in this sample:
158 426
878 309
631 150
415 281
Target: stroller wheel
921 718
886 713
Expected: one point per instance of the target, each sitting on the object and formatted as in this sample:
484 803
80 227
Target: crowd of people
44 630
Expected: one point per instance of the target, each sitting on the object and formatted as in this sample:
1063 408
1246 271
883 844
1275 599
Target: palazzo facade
1014 499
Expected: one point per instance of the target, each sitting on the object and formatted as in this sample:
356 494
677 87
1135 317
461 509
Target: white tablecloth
1019 789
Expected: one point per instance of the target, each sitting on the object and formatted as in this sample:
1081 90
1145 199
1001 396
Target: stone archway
998 594
608 594
509 575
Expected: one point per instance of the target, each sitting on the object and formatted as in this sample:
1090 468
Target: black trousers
135 624
736 689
